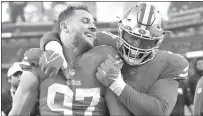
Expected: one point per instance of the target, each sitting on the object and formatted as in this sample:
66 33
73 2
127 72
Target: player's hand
109 71
50 62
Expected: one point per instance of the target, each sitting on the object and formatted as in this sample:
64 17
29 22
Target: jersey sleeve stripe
186 68
110 34
183 74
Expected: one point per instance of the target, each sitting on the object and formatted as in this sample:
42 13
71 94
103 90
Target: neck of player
73 53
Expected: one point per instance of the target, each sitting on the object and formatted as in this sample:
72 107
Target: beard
81 43
77 41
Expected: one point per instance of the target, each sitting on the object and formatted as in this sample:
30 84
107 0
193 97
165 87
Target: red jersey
82 94
151 88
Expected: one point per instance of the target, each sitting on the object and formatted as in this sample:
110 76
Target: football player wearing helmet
150 76
82 94
198 99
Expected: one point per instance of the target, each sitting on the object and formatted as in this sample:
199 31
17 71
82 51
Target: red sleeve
114 106
160 99
177 67
30 62
47 37
162 95
31 59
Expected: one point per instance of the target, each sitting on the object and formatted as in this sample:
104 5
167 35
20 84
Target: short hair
68 11
18 73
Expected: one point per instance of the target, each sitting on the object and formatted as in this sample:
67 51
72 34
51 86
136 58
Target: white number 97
80 94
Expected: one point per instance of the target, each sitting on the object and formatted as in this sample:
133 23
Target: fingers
97 75
117 57
117 61
109 63
101 71
104 67
100 74
111 58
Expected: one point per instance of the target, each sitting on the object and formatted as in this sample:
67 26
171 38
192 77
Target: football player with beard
150 76
82 93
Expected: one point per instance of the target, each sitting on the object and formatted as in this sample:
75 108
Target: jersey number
80 94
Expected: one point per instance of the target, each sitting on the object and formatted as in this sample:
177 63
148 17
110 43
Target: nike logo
52 58
183 75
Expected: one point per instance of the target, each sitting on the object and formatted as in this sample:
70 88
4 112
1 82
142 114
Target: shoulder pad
106 38
104 51
31 58
106 33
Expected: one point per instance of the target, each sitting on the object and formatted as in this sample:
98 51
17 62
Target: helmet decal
145 16
127 13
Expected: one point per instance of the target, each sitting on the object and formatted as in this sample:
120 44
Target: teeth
89 35
133 51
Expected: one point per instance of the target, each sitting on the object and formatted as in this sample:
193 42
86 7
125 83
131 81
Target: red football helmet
141 32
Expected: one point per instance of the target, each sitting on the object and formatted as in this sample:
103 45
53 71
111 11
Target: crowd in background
16 12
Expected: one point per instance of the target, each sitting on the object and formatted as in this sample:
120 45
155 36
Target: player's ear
9 80
64 27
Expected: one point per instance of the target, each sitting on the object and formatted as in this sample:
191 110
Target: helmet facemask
139 40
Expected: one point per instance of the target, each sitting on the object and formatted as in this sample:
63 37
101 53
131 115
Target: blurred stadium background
24 23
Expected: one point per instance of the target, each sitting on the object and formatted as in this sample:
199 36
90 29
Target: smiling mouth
132 54
90 36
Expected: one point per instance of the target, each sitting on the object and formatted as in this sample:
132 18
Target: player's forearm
140 103
114 106
23 103
26 95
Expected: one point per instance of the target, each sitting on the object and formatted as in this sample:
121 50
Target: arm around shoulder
48 37
162 95
115 107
